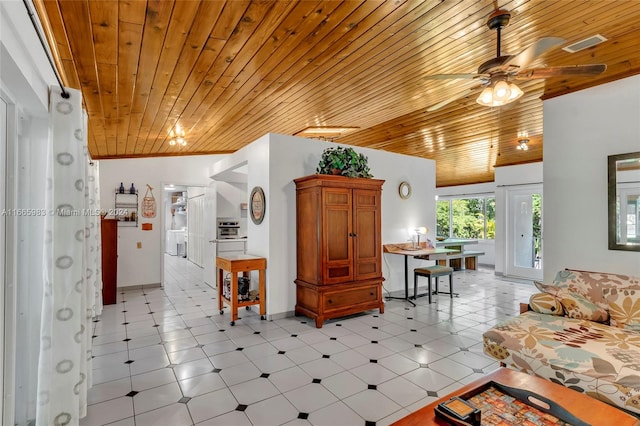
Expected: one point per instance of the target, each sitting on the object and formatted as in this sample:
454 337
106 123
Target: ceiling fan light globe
516 92
501 91
172 142
486 97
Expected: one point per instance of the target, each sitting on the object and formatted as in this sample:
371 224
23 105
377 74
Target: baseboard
138 286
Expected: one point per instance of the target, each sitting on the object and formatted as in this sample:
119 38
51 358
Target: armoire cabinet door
367 229
337 219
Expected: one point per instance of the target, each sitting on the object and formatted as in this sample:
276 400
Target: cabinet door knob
371 294
330 301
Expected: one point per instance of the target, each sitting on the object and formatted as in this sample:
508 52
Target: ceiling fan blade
528 55
585 70
447 101
452 76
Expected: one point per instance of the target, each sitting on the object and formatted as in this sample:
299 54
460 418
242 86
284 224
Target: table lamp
420 231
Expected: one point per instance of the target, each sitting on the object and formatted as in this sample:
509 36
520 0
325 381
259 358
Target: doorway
183 232
524 233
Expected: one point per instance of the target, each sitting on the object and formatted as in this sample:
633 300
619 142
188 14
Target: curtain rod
65 94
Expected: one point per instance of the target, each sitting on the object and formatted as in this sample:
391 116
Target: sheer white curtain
71 267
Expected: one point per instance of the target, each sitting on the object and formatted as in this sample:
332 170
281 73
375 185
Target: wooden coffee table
580 405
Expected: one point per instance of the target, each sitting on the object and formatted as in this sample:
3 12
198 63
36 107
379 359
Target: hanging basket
149 203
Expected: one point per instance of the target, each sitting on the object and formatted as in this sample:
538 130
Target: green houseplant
343 161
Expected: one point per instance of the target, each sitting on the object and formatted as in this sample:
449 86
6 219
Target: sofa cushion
624 307
545 303
591 284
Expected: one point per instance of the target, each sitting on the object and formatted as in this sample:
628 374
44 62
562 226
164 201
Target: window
467 218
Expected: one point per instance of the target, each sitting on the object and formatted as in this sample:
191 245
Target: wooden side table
235 263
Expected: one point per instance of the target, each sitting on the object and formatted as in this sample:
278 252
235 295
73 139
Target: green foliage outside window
467 218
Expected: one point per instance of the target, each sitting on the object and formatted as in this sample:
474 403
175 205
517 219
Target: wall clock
257 204
404 190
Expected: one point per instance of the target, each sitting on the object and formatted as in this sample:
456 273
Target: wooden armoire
339 246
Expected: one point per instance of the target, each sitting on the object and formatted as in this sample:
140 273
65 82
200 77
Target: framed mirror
624 201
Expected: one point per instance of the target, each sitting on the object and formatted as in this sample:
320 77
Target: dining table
424 250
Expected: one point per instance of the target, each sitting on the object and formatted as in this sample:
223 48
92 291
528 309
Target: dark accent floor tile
239 349
432 393
129 361
294 335
424 366
477 370
375 342
184 400
375 327
333 338
303 416
241 407
200 346
464 349
373 361
369 423
326 356
316 380
126 340
372 387
414 330
281 352
264 375
256 332
172 365
216 370
132 393
125 323
417 345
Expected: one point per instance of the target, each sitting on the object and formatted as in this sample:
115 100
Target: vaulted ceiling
228 72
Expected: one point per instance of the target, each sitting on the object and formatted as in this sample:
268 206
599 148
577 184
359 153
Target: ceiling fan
497 75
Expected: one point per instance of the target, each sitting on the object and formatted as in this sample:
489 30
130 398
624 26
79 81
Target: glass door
524 233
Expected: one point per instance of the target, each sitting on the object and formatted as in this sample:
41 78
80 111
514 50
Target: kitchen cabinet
339 246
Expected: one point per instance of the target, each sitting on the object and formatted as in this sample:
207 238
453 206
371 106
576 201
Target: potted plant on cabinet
343 161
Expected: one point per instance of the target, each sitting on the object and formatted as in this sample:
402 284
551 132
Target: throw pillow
548 288
545 303
577 306
624 306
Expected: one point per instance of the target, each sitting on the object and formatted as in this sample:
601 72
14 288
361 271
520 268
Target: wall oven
228 228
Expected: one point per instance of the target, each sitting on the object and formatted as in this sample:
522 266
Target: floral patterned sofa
583 332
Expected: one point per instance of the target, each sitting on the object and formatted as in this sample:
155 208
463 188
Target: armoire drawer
350 297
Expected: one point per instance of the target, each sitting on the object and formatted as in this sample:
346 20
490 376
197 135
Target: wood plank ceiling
228 72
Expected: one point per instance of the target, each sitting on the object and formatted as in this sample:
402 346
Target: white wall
291 157
143 266
580 130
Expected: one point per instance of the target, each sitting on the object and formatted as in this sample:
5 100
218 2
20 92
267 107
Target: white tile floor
167 357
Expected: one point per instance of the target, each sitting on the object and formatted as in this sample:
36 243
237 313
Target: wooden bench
470 258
